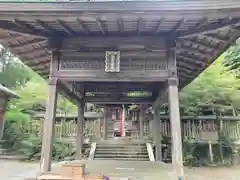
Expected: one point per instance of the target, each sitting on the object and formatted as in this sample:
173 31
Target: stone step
137 156
122 145
124 159
121 150
122 153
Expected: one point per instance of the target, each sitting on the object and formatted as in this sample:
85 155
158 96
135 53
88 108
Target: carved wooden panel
143 64
80 64
126 64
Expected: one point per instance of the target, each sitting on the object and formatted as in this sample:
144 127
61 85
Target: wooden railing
191 128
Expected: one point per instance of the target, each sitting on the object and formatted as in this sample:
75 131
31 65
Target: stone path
12 170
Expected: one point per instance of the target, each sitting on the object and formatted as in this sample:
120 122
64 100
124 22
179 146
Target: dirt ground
12 170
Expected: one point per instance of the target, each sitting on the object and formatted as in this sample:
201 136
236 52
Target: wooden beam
100 25
65 27
78 55
140 24
111 101
113 41
158 27
205 29
67 92
24 26
120 25
12 27
101 76
46 27
161 96
84 27
201 23
178 25
27 44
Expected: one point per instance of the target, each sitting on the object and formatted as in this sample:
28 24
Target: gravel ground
13 170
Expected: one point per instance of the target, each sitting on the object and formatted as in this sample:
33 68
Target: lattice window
112 61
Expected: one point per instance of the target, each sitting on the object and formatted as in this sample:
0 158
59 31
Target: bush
17 137
15 129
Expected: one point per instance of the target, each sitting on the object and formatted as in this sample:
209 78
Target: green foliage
14 73
16 128
214 86
19 138
232 59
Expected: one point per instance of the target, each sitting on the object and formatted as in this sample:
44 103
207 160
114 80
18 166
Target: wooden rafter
34 51
12 27
83 26
25 26
65 27
199 44
197 52
46 27
188 66
27 44
210 28
215 37
178 25
187 58
10 38
41 68
201 23
38 63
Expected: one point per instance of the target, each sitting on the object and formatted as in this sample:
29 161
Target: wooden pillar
177 158
141 120
157 134
80 128
105 125
48 127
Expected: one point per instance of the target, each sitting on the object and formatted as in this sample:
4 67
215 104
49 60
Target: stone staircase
128 150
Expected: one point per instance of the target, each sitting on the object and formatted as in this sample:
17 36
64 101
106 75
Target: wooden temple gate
105 52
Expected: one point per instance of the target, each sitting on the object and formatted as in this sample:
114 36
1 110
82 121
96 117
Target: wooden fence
191 128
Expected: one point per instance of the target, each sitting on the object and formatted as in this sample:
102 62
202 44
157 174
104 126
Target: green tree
13 73
214 85
232 59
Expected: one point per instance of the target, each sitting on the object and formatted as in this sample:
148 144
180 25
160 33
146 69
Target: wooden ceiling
202 29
